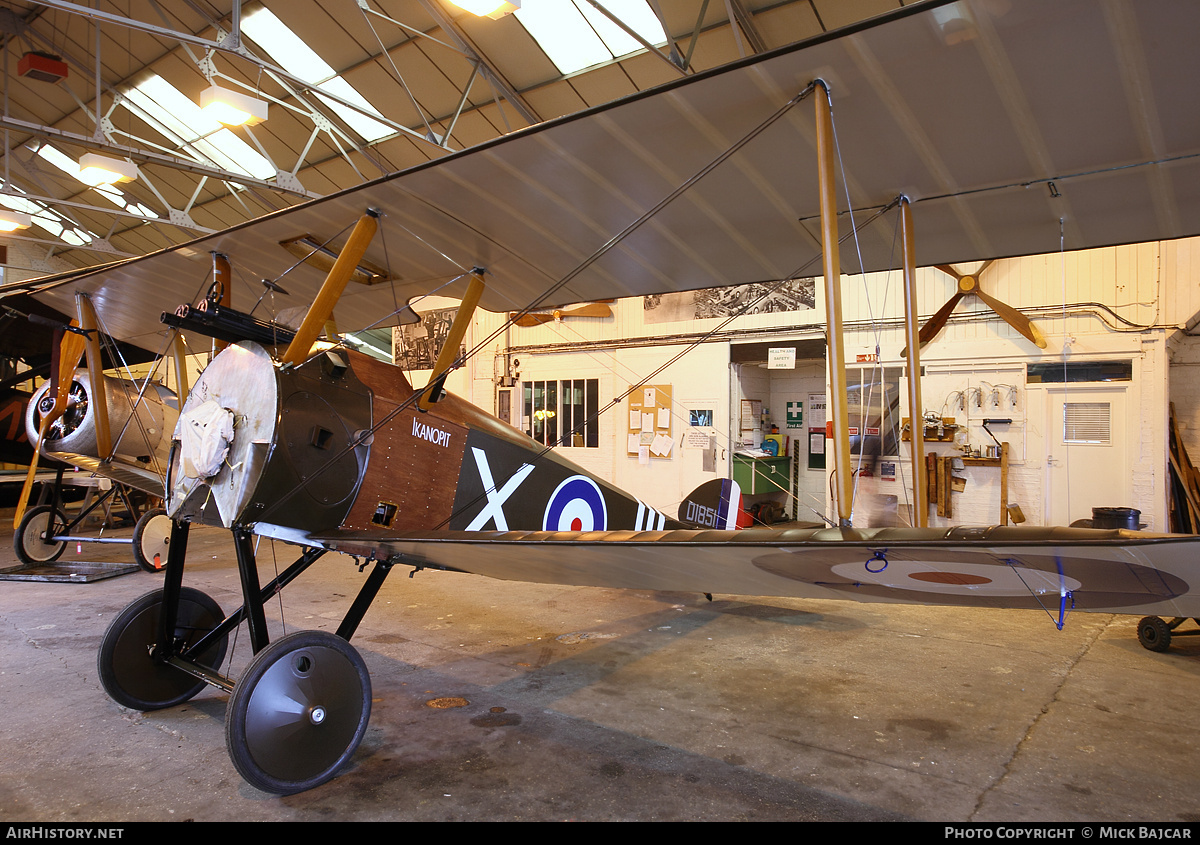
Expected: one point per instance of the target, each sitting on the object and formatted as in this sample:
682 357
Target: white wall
1115 303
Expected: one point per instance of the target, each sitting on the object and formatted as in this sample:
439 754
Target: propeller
591 309
968 285
69 352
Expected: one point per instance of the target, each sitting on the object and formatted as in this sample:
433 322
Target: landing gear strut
298 712
1155 633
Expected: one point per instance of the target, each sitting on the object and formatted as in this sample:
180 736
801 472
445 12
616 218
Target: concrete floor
589 704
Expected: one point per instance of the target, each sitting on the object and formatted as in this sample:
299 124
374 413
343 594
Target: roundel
576 505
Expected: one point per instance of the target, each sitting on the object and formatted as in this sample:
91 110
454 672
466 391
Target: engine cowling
139 433
260 443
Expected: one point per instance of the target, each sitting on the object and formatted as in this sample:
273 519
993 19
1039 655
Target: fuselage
339 444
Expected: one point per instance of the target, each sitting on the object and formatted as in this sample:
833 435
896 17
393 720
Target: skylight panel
45 219
576 36
176 117
636 14
297 58
563 33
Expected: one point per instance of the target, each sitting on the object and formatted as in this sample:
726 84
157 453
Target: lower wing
1055 569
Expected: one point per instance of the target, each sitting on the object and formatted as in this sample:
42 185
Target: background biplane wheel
151 536
1154 633
298 712
130 675
38 523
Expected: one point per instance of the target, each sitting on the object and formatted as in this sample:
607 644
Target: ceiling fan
968 285
537 318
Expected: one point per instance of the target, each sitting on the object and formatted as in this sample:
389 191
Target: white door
1088 461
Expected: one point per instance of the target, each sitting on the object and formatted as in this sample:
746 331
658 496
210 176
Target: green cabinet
761 475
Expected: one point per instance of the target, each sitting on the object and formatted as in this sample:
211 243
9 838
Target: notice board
649 432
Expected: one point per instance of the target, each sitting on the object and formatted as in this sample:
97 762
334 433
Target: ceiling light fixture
489 8
44 67
232 108
10 221
95 169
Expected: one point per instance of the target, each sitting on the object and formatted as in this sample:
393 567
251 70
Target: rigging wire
587 262
649 214
1060 424
412 400
619 237
877 371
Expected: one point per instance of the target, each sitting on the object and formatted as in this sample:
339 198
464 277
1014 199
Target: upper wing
1002 122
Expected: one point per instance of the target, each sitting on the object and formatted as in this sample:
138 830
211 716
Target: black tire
1154 633
36 524
130 675
298 712
151 538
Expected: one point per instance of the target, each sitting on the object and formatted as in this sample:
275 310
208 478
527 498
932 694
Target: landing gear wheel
151 537
29 539
1154 633
298 712
131 676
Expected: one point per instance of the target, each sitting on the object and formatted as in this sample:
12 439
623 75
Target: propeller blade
949 271
1015 319
938 321
528 320
935 323
591 309
70 352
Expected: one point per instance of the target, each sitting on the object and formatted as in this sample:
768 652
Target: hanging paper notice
816 410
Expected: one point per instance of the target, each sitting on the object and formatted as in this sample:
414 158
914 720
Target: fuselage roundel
503 487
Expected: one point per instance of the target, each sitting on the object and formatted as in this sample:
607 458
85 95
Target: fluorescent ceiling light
576 36
95 169
10 221
68 165
297 58
488 8
232 108
186 126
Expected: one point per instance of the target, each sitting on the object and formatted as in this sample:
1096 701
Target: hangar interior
1092 417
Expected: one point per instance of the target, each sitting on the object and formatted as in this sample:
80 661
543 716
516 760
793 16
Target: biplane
992 129
32 333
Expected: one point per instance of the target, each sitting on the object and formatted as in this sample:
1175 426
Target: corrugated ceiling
428 68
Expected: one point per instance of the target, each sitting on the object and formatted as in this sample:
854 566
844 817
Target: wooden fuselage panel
415 457
459 468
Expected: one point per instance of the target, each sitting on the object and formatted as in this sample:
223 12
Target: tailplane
714 504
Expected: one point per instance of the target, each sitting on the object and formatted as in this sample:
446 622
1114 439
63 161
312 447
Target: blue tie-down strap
880 555
1066 598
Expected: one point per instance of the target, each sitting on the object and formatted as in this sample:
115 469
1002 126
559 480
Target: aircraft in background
951 113
32 334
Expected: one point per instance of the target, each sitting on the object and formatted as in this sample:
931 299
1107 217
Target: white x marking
493 510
